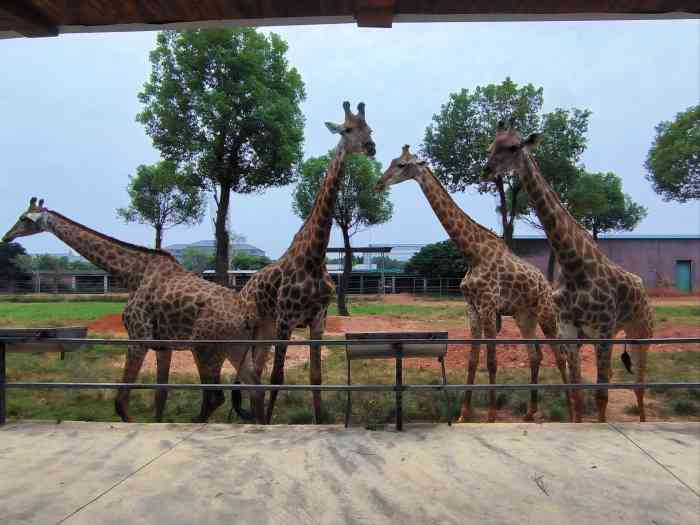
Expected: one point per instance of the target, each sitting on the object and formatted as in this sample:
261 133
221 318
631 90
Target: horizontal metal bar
345 388
340 342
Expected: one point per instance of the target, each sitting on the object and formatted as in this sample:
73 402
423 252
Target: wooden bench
398 351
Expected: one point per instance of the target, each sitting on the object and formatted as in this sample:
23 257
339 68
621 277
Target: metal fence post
399 386
3 406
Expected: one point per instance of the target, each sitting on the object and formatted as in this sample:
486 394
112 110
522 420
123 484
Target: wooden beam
33 22
374 13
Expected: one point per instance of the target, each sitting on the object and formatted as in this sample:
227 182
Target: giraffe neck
467 234
571 242
121 259
313 237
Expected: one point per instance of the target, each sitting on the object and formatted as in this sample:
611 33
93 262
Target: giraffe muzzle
370 148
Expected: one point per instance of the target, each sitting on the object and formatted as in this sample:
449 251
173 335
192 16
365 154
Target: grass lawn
680 314
54 314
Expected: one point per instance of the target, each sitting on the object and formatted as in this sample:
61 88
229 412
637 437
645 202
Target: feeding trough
40 339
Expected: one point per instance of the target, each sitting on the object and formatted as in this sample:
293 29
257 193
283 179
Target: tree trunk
222 242
159 236
345 279
506 226
551 266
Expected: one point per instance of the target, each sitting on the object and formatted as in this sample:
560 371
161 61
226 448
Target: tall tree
163 197
599 204
673 162
11 267
440 259
457 141
197 260
226 104
357 204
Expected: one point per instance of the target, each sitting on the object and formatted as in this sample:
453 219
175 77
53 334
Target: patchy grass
681 366
54 314
678 314
64 298
418 311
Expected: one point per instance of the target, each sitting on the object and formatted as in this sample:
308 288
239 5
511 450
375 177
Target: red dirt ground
509 356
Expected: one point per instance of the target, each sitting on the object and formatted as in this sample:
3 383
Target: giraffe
165 302
497 281
596 297
295 290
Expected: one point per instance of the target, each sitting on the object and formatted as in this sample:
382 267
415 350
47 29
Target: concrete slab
676 446
498 473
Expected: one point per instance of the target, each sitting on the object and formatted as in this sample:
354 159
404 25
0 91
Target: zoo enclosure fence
25 344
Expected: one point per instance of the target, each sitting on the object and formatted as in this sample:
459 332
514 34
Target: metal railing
180 345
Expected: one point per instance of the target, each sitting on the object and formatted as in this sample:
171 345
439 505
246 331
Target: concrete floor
89 473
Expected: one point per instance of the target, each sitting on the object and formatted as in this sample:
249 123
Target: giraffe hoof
529 418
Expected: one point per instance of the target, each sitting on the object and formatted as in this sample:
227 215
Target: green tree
11 266
673 161
440 259
599 204
163 197
225 104
457 141
389 263
197 260
357 204
246 261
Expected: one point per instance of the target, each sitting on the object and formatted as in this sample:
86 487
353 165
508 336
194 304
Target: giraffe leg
277 375
209 363
572 352
315 370
604 363
489 327
527 326
643 330
163 359
549 329
475 328
135 355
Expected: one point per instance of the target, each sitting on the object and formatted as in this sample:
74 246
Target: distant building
209 246
660 260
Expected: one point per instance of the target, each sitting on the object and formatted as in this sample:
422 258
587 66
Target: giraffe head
355 133
405 166
30 222
507 151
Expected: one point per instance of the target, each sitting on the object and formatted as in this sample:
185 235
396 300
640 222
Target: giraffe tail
237 406
627 361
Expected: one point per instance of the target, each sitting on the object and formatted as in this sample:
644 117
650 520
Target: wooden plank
32 21
388 351
43 337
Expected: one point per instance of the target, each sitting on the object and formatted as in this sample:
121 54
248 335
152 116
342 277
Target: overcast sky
69 134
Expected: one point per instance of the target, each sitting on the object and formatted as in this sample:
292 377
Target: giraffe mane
112 239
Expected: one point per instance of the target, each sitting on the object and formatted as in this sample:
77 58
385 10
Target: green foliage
11 266
457 141
389 263
441 259
597 201
246 261
197 260
163 197
225 104
673 161
51 263
357 203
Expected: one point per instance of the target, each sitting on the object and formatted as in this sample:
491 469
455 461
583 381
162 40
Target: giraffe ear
532 141
334 128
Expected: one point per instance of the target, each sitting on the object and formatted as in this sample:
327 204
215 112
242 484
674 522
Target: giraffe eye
347 130
513 148
401 164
